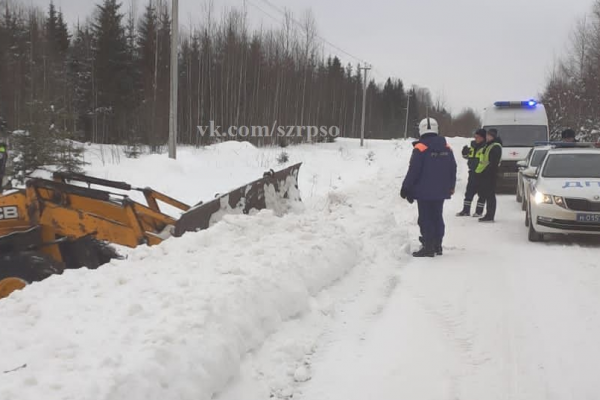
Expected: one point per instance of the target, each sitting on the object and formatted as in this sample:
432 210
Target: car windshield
521 135
538 157
572 166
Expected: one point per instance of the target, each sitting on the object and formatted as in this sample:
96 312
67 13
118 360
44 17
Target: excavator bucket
275 191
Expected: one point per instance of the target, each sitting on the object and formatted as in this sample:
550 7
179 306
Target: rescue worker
430 180
487 173
471 154
569 136
3 161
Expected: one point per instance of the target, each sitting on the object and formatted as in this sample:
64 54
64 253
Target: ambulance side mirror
531 172
522 164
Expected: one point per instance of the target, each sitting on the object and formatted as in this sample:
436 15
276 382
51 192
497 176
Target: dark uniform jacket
432 171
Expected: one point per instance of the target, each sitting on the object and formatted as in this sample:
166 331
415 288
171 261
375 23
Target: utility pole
362 129
407 111
174 74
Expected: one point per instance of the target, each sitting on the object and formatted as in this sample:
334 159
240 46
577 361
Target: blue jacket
432 171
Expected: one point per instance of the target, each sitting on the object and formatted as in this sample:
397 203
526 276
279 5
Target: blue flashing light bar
527 103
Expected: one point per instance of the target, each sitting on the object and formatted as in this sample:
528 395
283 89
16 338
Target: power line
381 75
330 44
263 11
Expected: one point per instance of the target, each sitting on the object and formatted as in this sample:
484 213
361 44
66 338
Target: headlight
559 201
542 198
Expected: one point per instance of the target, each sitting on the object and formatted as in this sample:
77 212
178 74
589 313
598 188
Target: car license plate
593 218
511 174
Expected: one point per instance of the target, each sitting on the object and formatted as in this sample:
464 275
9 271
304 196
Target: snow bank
172 321
198 174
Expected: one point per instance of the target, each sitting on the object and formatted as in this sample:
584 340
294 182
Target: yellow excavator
71 220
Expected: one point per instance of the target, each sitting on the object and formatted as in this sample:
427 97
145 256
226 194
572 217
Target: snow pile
198 174
173 320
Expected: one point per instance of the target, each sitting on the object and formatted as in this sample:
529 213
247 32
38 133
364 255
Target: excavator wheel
18 270
87 252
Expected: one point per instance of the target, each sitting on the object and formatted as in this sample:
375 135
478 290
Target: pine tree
110 73
62 37
147 65
44 145
80 70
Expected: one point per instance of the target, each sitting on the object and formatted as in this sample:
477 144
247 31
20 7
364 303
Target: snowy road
323 304
496 317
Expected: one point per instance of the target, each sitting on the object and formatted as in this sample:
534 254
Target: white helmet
428 125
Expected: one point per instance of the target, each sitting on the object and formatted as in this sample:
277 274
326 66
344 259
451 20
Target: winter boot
426 251
466 211
486 219
439 250
479 210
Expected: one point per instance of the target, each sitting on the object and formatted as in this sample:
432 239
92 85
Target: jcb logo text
9 212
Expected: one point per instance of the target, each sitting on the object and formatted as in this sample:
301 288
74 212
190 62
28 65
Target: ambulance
520 124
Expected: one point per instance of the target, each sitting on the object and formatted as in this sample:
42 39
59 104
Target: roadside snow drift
175 321
172 321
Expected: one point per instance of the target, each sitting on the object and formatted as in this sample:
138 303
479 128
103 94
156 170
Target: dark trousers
487 192
431 221
472 190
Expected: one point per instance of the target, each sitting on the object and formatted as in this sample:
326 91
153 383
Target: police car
564 192
534 159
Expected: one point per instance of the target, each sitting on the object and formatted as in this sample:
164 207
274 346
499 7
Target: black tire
30 266
526 209
86 252
532 234
524 205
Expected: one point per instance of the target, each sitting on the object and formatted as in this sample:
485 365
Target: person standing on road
471 154
487 173
430 180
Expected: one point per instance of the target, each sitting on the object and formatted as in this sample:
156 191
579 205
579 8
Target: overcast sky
469 52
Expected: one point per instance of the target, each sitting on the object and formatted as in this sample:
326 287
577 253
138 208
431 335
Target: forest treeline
572 95
106 78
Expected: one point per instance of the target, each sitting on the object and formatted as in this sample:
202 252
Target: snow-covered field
324 303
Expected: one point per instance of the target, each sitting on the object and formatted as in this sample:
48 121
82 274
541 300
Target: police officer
3 160
430 180
487 173
471 154
569 136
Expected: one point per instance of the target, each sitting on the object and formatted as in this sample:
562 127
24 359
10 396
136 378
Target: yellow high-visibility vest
484 157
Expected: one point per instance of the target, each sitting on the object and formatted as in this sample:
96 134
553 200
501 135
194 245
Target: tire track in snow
341 313
496 318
